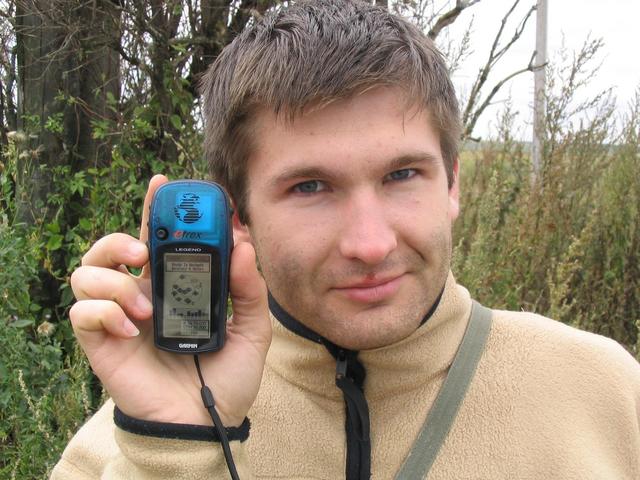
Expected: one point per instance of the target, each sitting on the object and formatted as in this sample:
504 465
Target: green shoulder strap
445 408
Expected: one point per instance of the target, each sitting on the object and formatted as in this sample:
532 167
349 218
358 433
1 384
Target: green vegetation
566 245
47 389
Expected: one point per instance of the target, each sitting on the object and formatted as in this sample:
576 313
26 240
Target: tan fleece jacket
547 402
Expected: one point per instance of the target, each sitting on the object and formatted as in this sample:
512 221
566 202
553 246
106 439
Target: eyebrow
299 173
403 161
396 163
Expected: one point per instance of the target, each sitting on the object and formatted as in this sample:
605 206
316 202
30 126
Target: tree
166 47
66 71
476 104
434 17
102 87
114 84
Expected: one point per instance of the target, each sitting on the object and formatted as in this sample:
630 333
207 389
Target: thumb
248 294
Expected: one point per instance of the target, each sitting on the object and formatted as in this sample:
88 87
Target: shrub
565 243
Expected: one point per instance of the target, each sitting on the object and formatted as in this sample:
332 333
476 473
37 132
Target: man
333 125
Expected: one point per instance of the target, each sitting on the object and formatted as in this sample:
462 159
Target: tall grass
565 243
45 391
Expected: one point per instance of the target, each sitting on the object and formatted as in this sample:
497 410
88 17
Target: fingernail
143 304
130 328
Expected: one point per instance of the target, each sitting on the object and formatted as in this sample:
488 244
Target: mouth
371 291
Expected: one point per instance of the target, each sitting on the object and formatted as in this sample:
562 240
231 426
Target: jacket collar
302 357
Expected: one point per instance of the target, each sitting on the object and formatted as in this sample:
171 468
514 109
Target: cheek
287 272
425 228
287 238
267 247
308 235
287 252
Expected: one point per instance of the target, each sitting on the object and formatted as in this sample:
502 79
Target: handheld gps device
190 242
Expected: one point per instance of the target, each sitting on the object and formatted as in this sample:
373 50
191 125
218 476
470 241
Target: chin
376 330
371 343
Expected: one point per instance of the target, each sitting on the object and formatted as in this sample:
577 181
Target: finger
154 183
89 317
248 293
116 249
98 283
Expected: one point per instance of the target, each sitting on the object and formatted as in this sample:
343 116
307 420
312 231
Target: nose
367 234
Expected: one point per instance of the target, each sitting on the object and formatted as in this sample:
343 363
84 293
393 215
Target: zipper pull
341 365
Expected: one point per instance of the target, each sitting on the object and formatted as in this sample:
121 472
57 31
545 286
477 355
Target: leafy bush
564 243
47 389
44 393
597 285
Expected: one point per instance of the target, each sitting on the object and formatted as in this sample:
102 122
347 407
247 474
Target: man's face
351 216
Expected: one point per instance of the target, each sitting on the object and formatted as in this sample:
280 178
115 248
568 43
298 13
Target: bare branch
470 125
129 58
516 35
457 50
449 17
193 41
423 13
471 112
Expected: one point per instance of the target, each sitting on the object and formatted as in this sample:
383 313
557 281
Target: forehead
375 124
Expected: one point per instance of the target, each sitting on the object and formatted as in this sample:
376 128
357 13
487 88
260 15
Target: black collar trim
350 379
292 324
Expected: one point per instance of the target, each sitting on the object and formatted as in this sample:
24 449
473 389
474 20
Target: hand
112 322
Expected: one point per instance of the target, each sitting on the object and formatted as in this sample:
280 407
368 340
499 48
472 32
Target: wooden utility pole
539 93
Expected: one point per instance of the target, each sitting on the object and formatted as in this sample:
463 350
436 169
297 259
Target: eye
310 186
399 175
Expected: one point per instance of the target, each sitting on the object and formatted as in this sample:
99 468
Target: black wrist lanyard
210 405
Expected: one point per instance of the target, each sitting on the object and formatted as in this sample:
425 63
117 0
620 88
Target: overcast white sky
569 21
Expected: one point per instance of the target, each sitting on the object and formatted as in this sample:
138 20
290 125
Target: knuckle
76 281
110 237
99 317
88 313
116 238
102 249
78 313
108 314
74 313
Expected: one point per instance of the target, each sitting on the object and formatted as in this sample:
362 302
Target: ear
454 192
240 230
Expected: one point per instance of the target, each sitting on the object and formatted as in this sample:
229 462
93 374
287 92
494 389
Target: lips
371 291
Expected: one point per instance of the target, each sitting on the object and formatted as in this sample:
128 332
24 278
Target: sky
570 23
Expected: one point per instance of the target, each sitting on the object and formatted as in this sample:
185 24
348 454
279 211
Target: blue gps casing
190 243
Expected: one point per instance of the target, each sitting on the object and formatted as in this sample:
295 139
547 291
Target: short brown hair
313 53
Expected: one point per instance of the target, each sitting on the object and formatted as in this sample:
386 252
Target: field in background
566 245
